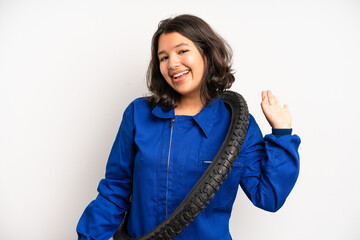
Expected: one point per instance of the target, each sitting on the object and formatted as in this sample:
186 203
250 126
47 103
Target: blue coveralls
157 158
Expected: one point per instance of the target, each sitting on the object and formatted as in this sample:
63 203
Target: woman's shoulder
138 106
140 102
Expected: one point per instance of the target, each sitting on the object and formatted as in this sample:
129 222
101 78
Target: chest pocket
225 197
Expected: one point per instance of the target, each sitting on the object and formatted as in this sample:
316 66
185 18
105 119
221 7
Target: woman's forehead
173 40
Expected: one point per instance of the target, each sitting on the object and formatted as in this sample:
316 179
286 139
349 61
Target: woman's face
181 64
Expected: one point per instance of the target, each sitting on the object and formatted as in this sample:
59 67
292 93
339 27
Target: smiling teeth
179 74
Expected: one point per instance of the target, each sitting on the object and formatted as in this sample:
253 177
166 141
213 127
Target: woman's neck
189 106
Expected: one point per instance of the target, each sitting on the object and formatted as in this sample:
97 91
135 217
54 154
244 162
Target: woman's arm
270 164
103 216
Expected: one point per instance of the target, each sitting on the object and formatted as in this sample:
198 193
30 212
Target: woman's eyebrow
179 45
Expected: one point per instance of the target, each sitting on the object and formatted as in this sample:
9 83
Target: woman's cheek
162 69
163 73
166 77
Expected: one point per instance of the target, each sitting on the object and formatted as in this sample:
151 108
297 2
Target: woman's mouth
180 76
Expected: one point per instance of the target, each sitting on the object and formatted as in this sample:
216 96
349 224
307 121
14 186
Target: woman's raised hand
277 116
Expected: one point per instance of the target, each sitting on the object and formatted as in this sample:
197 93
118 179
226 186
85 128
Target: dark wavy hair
218 74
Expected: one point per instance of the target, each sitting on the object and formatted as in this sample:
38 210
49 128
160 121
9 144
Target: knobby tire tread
210 181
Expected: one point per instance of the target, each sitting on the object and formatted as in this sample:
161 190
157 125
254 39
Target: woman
166 141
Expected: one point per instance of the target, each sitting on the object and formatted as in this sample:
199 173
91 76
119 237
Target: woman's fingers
262 96
265 99
268 97
272 98
278 116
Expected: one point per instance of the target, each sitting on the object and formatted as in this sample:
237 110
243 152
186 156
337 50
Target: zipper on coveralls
168 165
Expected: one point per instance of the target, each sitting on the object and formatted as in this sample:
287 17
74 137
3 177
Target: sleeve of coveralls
103 216
270 167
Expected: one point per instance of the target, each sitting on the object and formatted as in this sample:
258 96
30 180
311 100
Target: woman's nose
173 62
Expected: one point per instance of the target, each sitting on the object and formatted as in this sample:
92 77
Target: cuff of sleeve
278 132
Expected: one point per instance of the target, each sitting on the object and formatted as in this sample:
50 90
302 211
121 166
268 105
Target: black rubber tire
211 179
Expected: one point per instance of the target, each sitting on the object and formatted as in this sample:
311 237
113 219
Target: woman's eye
183 51
163 58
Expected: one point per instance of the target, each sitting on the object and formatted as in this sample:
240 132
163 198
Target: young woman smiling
182 66
167 140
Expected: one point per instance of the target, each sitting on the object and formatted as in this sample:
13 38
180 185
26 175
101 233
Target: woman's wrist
278 132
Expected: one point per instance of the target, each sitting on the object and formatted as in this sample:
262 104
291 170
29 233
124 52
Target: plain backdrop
68 69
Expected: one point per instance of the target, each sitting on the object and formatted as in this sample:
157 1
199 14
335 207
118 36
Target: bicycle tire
209 182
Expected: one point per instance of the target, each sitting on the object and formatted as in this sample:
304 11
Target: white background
69 68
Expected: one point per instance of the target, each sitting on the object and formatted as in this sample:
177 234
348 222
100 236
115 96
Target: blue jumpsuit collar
205 118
